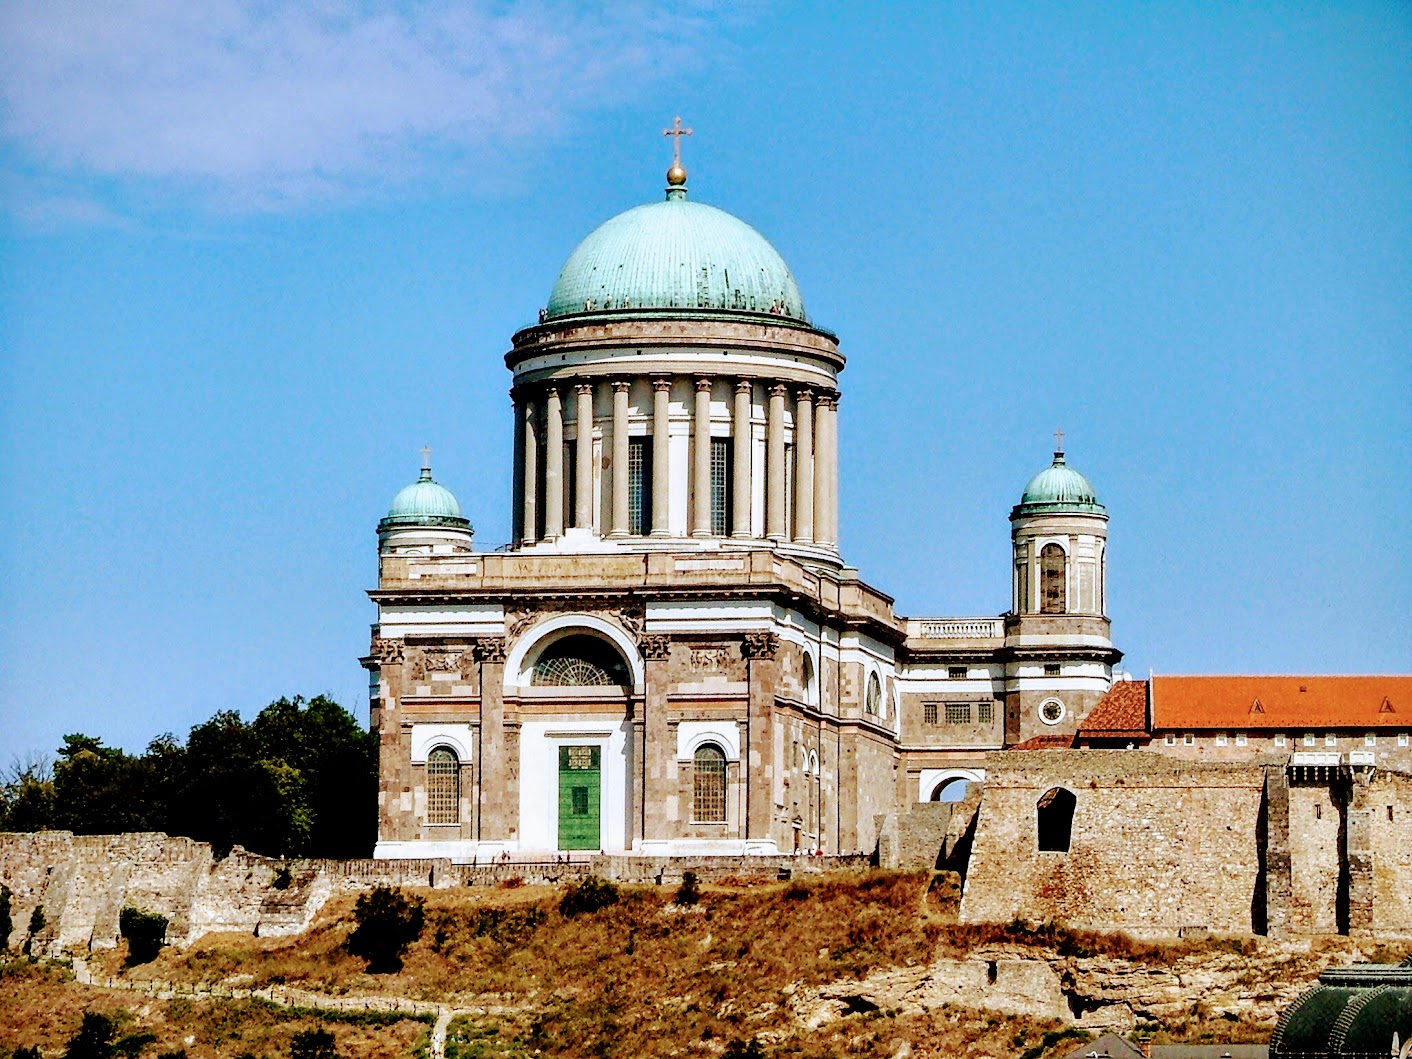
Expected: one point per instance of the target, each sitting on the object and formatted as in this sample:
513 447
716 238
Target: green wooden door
580 797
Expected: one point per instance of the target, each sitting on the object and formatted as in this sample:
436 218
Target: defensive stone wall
1156 846
1388 798
83 882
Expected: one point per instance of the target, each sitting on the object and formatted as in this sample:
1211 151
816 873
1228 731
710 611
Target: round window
1051 711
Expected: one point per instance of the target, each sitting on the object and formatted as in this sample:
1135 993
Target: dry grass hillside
642 977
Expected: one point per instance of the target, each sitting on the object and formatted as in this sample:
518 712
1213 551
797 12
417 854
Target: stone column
824 531
661 457
553 466
530 471
775 527
620 460
701 460
740 454
804 466
583 457
517 474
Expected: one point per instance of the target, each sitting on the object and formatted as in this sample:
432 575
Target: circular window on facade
1051 711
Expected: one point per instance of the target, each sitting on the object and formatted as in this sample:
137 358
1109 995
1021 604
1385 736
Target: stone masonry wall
1389 805
1157 845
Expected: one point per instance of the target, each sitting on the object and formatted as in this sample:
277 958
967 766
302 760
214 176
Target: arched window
708 798
1055 820
1051 579
443 787
579 661
953 790
873 703
806 680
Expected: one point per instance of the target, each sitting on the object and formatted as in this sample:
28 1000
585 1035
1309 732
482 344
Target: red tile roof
1281 702
1044 742
1121 712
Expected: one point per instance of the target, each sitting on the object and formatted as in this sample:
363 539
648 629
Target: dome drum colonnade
800 467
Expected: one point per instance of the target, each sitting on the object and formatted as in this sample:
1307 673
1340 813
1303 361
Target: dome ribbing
1058 489
424 503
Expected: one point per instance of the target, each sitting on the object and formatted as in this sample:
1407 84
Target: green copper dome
1356 1011
424 503
1058 489
675 254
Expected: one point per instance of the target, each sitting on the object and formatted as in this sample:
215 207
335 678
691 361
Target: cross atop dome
676 176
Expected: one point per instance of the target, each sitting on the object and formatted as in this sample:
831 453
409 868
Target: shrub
36 924
6 924
145 933
591 895
738 1049
94 1039
313 1044
388 922
689 893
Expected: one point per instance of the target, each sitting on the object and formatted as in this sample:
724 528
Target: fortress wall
1316 820
1157 844
1390 840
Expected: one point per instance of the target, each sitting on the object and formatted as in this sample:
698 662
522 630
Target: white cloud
261 105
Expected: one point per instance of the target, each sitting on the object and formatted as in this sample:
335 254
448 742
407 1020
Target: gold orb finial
676 176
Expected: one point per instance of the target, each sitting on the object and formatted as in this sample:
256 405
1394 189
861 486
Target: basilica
673 657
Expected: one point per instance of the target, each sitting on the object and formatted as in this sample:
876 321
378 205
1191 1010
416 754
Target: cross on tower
676 132
1058 441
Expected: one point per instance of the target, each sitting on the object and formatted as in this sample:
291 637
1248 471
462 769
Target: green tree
6 924
94 1039
27 796
145 932
100 790
387 923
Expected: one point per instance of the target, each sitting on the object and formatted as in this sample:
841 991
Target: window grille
1330 739
1308 738
956 672
958 713
639 486
985 712
708 804
580 661
1189 739
929 713
1051 579
443 787
1280 739
1371 739
1171 739
721 486
1220 738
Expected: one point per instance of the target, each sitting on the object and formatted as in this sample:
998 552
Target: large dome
675 254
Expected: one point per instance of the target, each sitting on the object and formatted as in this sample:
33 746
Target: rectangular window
1371 739
1220 738
1389 814
1280 739
1401 738
721 486
1240 739
639 486
1318 812
1052 669
1189 739
985 713
1171 739
1308 738
956 672
929 713
1330 739
958 713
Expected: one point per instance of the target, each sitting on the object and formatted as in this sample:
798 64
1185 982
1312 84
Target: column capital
662 385
551 391
621 386
703 384
583 387
804 393
779 389
744 385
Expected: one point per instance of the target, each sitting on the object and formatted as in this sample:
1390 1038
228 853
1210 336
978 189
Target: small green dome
424 503
1058 489
1353 1011
675 254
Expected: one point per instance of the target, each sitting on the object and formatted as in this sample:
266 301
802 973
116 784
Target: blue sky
254 256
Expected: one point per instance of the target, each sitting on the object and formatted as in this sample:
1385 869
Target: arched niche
521 662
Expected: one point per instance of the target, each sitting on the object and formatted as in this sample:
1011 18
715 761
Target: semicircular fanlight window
580 662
